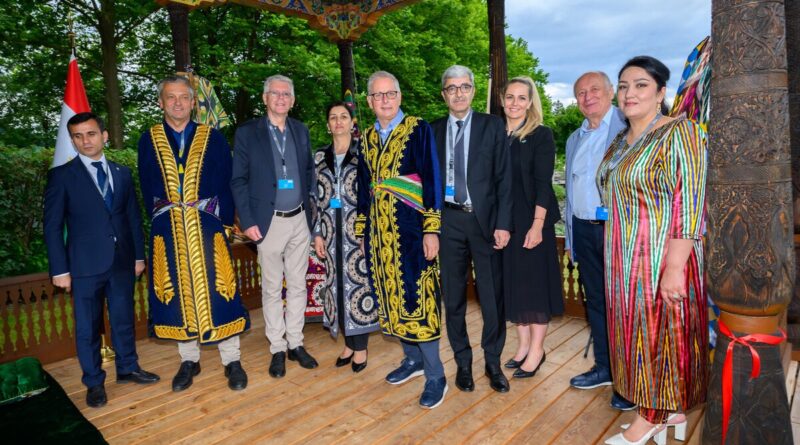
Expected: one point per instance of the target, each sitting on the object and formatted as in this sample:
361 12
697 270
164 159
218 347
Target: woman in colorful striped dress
652 182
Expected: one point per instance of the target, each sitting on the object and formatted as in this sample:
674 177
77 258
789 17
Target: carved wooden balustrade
36 319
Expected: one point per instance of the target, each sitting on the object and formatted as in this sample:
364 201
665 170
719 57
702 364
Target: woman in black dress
531 276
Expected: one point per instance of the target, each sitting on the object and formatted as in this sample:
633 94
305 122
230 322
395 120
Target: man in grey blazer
584 227
273 183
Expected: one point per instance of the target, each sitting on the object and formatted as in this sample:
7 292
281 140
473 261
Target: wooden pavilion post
498 70
793 60
750 267
179 24
347 67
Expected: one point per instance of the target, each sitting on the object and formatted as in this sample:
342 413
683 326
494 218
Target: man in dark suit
476 222
102 255
273 183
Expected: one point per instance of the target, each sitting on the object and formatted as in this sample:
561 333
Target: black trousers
587 246
461 239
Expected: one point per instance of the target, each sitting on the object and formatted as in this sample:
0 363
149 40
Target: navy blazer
93 232
537 158
253 182
488 170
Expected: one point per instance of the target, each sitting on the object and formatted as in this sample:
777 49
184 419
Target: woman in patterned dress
349 304
652 182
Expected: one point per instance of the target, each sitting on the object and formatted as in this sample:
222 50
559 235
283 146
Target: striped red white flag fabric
75 102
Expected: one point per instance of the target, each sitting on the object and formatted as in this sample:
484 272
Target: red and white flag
75 102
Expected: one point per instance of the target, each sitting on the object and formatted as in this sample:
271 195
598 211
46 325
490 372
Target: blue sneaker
620 403
407 371
592 379
433 394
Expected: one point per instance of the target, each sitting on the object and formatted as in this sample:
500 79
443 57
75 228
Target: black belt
591 221
290 213
462 207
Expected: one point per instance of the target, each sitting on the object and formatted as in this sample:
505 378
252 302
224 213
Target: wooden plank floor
334 405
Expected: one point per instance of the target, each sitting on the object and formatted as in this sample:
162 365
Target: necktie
102 177
460 165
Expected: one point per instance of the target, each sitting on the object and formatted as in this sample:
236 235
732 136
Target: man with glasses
399 207
273 183
476 222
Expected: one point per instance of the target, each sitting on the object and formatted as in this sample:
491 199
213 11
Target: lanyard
279 145
453 139
619 152
337 172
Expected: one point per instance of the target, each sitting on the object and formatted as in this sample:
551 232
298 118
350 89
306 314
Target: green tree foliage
22 182
565 121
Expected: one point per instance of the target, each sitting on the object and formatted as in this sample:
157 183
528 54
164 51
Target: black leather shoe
513 364
497 380
620 403
523 374
141 377
343 361
96 396
237 378
300 355
183 379
277 367
464 380
358 367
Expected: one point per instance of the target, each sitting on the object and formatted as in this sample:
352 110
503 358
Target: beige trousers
228 350
284 252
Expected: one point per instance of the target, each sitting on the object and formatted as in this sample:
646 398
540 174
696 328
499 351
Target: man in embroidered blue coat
184 171
399 209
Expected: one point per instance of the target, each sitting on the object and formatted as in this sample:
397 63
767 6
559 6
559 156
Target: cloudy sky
573 36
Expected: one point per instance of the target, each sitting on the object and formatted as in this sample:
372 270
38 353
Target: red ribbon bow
727 369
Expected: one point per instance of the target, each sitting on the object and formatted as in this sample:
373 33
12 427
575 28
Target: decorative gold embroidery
431 221
162 284
384 161
186 228
228 329
172 332
360 224
225 279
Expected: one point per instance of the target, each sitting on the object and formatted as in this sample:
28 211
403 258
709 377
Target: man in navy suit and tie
102 254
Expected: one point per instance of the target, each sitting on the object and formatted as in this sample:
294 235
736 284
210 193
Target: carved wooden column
347 66
498 71
793 62
750 267
179 23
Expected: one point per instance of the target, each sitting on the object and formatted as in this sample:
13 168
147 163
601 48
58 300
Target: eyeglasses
280 94
379 96
465 88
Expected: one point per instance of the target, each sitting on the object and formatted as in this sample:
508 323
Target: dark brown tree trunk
179 24
750 268
793 62
108 52
348 67
498 70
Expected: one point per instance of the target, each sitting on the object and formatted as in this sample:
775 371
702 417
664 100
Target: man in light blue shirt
584 229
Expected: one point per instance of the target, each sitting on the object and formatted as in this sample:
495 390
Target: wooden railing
36 319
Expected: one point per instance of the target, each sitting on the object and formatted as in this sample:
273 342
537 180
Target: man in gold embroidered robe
399 209
184 171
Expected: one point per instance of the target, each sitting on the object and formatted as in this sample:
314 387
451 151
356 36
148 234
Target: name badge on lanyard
336 203
450 191
601 213
285 184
